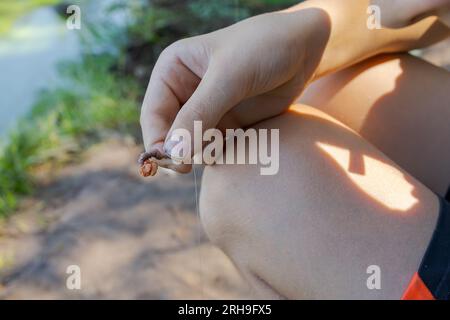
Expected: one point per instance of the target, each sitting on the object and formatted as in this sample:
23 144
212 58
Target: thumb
215 95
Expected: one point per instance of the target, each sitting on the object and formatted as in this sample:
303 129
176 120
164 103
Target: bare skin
400 104
362 158
311 231
339 225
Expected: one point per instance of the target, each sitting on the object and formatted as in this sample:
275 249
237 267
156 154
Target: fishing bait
150 161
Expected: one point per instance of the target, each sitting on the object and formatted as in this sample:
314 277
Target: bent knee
237 200
220 202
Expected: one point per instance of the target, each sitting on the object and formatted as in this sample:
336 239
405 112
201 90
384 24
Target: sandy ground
133 238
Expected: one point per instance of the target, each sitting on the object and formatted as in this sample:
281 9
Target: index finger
158 111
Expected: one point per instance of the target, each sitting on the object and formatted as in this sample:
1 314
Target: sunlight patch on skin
304 109
382 182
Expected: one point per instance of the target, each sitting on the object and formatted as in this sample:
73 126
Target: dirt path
133 238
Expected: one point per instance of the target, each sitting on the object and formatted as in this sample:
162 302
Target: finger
159 108
215 95
157 115
171 85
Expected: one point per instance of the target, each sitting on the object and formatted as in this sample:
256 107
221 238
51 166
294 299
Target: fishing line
197 209
199 233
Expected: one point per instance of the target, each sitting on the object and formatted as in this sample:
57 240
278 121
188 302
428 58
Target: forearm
351 41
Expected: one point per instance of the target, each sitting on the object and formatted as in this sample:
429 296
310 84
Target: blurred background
70 193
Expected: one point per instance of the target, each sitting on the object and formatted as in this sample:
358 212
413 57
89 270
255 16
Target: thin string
194 170
199 233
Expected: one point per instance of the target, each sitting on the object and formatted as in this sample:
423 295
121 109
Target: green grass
94 98
11 10
66 119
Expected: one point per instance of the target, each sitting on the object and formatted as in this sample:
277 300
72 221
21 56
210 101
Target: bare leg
311 231
399 103
337 206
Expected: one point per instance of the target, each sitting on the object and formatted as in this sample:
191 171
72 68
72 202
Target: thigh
399 103
336 207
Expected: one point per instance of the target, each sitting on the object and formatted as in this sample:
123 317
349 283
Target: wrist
310 30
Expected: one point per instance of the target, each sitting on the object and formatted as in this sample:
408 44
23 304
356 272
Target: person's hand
233 77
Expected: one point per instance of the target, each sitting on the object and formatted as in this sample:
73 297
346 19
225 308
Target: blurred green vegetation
11 10
160 22
64 121
104 91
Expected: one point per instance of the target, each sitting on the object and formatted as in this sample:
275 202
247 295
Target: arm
255 69
351 41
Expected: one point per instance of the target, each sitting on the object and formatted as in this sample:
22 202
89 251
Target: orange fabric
417 290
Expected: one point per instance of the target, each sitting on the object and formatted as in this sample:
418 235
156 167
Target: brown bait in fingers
150 161
149 168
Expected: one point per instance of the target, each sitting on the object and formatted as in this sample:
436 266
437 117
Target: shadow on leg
336 207
400 104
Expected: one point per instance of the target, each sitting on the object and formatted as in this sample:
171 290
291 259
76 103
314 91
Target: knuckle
173 49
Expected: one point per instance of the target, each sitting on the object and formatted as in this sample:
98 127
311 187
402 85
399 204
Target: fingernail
169 145
177 150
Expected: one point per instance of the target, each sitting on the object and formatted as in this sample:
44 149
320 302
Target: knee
219 205
237 203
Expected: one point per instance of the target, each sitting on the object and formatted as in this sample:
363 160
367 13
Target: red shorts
432 281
